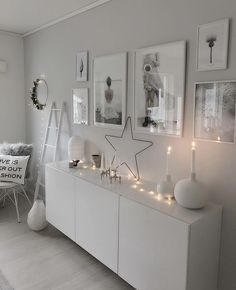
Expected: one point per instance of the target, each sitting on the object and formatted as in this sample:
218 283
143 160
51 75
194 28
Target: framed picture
82 66
110 87
214 113
80 106
212 45
159 89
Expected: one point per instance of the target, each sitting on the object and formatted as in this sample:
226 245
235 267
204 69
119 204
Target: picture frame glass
159 89
110 86
214 112
80 106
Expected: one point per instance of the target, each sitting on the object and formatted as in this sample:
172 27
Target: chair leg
4 198
16 205
25 194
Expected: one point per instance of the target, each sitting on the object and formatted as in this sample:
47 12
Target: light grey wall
12 96
125 25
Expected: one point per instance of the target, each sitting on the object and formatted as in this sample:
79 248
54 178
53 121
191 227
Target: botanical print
159 88
80 106
212 45
82 66
110 90
215 111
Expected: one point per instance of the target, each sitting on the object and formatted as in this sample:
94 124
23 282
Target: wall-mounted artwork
82 66
212 45
159 89
110 86
80 106
214 114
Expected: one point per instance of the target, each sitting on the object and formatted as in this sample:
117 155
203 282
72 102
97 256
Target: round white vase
190 193
37 216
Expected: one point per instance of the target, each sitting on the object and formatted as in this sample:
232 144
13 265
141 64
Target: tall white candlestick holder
191 193
166 187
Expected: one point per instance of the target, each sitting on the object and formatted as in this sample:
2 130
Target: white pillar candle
169 149
193 157
102 162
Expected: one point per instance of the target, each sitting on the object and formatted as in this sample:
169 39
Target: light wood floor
48 260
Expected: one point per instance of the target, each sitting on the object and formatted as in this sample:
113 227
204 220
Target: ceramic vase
190 193
37 216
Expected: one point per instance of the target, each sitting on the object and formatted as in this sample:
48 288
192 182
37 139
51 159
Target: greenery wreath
34 94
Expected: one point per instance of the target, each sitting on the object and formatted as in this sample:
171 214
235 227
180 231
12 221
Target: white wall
125 25
12 96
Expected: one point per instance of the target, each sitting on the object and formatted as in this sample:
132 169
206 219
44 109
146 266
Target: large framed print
212 45
80 106
214 112
110 88
159 89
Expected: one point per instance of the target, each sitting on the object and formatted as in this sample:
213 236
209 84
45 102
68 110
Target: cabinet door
153 248
97 222
60 201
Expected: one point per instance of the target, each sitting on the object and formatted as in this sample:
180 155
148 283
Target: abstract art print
212 45
82 66
214 114
159 89
110 86
80 106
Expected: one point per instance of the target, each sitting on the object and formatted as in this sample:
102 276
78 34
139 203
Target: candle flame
169 149
193 145
218 139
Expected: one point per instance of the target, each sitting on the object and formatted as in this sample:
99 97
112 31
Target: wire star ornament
120 146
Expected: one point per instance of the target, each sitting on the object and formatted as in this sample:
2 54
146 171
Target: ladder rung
49 145
55 128
40 183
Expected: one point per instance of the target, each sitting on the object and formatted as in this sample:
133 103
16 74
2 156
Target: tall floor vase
37 216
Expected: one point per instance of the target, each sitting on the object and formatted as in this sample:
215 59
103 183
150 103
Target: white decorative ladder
57 128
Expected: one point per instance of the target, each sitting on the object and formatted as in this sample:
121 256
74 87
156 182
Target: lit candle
167 159
218 139
193 157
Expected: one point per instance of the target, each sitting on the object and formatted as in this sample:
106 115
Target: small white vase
166 187
190 193
37 216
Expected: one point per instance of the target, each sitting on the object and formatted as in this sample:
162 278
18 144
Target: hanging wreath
34 94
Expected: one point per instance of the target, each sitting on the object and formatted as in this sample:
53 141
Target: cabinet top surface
143 193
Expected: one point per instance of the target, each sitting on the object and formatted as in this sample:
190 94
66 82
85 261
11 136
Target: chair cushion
17 149
12 168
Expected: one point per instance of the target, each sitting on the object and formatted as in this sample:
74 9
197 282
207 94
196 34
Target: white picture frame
110 89
82 66
212 45
80 106
215 111
159 89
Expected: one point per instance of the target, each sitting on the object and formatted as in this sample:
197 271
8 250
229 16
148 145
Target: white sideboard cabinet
152 244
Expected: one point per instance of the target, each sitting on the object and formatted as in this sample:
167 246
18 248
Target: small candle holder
114 176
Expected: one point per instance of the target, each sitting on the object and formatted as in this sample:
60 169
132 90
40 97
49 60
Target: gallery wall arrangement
159 82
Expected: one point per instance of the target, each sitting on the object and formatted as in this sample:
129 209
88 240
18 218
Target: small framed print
110 88
82 66
80 106
212 45
214 113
